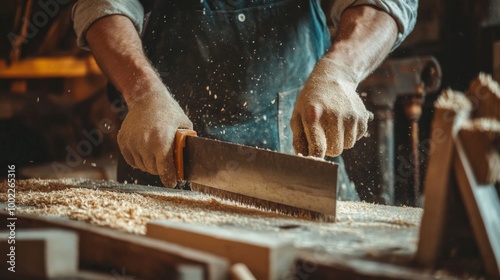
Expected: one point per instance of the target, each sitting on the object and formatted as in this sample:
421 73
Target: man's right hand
146 138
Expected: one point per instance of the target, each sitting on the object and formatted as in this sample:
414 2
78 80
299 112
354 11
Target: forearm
364 39
117 48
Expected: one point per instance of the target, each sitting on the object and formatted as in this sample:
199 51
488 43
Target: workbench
367 241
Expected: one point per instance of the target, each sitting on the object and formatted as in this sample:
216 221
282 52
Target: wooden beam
49 67
42 253
267 258
110 250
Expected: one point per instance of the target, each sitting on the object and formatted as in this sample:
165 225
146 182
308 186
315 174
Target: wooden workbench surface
363 231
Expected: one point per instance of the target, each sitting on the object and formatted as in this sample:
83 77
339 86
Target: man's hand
146 138
329 115
147 134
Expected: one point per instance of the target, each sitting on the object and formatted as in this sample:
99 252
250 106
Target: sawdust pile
361 228
107 206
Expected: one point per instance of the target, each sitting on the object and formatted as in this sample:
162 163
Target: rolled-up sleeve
404 13
86 12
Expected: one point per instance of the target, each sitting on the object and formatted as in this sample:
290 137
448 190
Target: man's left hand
329 116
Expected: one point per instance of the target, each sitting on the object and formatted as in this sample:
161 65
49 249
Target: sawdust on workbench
119 210
361 228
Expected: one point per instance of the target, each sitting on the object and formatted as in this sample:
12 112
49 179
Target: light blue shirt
86 12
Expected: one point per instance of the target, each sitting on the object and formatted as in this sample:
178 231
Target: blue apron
236 66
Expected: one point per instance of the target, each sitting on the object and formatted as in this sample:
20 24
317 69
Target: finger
169 180
127 154
336 139
299 136
165 165
364 125
150 164
316 139
139 162
350 135
164 162
186 124
362 129
348 124
315 133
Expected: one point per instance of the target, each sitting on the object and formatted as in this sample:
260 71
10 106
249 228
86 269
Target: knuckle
313 114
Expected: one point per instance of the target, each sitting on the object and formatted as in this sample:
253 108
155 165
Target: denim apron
236 66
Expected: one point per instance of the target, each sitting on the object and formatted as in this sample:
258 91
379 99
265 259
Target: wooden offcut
267 258
144 258
40 253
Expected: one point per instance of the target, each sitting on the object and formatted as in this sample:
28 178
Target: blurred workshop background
56 120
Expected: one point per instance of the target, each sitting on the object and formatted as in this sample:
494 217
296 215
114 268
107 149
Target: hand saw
298 186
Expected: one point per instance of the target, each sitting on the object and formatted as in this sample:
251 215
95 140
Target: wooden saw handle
180 143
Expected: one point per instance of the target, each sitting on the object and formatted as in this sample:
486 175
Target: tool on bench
293 185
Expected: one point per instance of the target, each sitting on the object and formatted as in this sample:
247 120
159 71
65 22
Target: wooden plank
267 258
107 250
483 208
49 67
42 253
437 189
